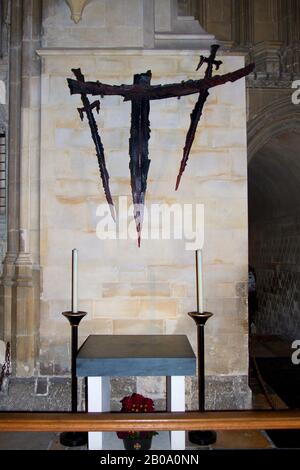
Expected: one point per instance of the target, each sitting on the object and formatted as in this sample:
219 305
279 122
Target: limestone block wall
126 23
149 290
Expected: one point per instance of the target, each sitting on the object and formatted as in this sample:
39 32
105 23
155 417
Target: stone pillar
27 262
13 169
21 266
188 7
244 23
216 17
289 21
4 20
231 21
265 26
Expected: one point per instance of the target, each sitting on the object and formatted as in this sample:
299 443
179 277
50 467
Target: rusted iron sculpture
140 94
197 111
88 109
138 150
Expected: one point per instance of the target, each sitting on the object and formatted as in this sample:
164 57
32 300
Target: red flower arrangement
136 403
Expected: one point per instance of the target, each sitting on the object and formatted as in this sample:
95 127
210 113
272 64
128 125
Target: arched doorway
274 233
274 242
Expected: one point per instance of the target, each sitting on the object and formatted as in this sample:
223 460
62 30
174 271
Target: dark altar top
125 355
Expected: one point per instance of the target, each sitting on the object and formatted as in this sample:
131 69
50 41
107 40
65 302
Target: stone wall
54 192
276 257
128 23
149 290
54 393
151 287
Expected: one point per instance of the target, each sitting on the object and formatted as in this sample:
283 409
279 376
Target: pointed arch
270 121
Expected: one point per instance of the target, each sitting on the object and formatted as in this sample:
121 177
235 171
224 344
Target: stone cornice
269 83
61 51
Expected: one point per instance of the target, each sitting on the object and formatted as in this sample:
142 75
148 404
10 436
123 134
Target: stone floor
261 347
50 441
273 359
270 346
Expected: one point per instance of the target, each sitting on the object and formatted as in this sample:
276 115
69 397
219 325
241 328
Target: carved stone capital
77 7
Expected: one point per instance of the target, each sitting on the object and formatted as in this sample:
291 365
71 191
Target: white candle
199 274
74 280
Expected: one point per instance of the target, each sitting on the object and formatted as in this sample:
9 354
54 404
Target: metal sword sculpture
138 151
88 109
197 111
140 94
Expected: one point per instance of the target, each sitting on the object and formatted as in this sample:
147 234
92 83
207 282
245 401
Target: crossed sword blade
139 151
88 109
197 111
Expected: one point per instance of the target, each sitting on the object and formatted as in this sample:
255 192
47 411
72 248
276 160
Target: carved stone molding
254 81
276 64
266 56
278 115
174 30
77 7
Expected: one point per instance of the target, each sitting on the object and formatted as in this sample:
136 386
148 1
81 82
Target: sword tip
112 211
139 241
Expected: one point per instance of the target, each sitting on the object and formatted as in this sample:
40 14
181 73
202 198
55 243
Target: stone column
13 168
289 21
21 273
27 263
3 129
243 14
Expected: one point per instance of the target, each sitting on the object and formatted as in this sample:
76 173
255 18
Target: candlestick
70 438
74 280
200 318
199 276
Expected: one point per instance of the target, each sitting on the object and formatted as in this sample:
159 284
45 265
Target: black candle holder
74 439
202 438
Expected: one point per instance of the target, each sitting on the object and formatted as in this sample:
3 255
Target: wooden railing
159 421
